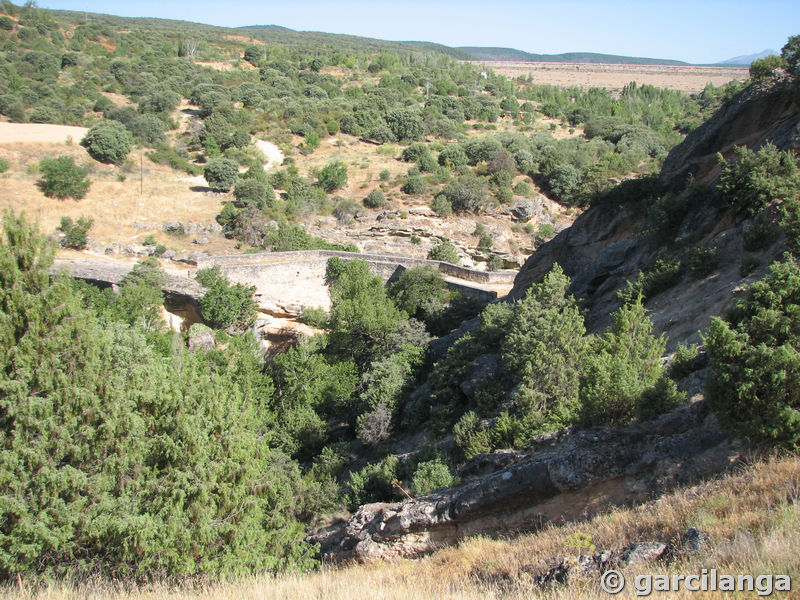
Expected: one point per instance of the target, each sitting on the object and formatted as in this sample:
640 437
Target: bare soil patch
687 79
271 152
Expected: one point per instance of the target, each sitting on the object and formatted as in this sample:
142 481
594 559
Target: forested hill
270 34
276 34
512 54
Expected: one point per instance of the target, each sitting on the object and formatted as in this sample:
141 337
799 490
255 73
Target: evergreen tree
754 380
623 377
544 351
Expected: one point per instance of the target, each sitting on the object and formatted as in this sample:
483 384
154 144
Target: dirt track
39 132
688 79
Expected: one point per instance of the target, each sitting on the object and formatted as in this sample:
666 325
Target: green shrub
75 232
504 195
702 261
441 206
166 155
148 130
430 475
495 263
373 483
108 142
662 275
3 165
452 156
226 305
62 178
381 134
289 236
523 189
421 292
129 440
752 180
466 194
221 174
664 217
755 233
333 176
444 251
412 152
687 359
750 263
426 163
405 124
414 186
755 360
546 230
470 436
315 317
253 191
375 199
44 114
623 377
761 68
544 351
385 175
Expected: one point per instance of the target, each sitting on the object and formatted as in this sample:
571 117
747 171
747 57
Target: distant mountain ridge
747 59
512 54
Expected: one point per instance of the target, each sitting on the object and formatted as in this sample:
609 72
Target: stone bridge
285 282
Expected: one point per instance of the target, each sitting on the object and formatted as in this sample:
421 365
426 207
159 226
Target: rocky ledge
562 476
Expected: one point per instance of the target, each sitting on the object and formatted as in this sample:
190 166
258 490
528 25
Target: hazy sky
697 31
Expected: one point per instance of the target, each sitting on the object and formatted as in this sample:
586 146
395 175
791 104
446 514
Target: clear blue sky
697 31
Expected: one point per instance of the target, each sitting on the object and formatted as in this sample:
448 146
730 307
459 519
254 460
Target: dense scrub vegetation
122 451
119 449
126 81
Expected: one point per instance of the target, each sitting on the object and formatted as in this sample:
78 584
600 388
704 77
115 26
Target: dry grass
138 192
752 519
687 79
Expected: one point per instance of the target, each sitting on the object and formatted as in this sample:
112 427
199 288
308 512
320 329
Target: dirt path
272 152
39 132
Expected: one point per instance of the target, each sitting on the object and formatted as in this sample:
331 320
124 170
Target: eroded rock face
563 476
605 248
763 112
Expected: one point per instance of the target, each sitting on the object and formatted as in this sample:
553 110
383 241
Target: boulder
201 337
527 209
172 227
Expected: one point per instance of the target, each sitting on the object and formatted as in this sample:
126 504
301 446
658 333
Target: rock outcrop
604 248
762 112
561 476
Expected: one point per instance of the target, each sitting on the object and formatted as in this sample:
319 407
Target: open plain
689 78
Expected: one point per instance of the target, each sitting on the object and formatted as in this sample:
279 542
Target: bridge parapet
296 256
